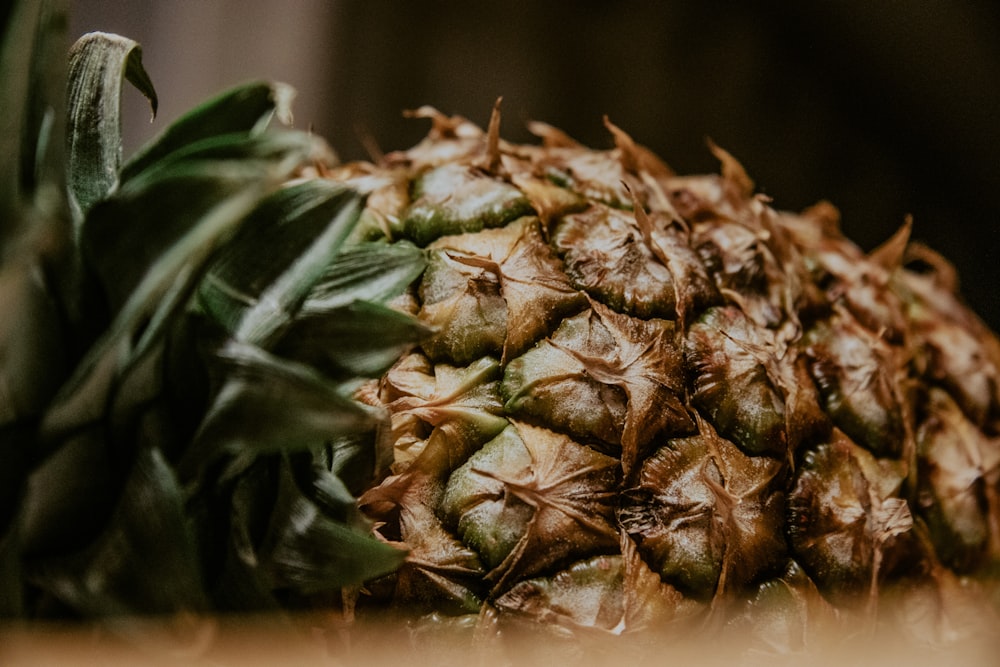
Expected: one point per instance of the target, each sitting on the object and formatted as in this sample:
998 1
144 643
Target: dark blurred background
885 108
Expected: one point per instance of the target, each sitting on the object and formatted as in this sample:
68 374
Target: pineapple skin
654 402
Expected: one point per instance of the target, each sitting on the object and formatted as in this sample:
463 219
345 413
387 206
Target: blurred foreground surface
252 642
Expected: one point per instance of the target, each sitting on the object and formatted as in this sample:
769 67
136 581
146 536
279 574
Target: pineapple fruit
470 384
653 399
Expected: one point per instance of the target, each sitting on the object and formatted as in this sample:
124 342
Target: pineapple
471 385
653 400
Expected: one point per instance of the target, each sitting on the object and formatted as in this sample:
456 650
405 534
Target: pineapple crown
185 331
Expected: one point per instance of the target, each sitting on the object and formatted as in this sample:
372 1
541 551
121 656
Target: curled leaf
98 64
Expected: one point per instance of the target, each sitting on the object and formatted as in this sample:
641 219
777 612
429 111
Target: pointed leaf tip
98 63
732 171
492 158
891 253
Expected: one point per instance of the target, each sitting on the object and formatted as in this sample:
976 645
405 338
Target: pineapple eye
848 525
702 514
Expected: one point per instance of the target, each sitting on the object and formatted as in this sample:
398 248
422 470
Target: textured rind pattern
785 411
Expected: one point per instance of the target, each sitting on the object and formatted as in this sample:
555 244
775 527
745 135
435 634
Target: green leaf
333 497
164 289
271 147
316 553
70 495
271 404
357 459
98 64
15 84
125 235
34 358
161 294
32 66
127 232
367 272
34 227
242 585
260 278
324 486
241 110
144 562
310 551
359 339
17 446
11 587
